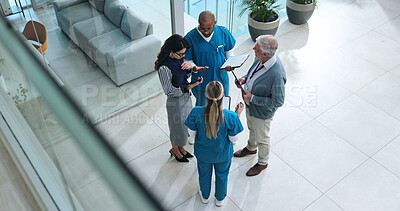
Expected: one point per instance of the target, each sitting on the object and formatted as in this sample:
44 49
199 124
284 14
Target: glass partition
86 76
77 166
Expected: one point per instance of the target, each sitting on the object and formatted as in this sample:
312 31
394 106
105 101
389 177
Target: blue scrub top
213 150
211 54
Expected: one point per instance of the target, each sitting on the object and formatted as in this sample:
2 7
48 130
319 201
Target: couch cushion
100 45
114 10
62 4
71 15
133 25
98 4
93 27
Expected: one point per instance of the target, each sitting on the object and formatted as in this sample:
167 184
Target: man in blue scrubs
211 46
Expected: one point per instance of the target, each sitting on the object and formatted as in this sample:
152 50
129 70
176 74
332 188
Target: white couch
119 41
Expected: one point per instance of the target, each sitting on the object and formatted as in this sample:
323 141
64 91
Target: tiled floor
335 142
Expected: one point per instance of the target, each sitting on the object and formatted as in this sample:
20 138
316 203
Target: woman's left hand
186 65
200 80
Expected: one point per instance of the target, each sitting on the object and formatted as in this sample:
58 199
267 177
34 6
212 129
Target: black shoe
187 155
183 159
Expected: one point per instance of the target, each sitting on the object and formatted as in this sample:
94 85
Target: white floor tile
389 156
98 196
391 29
170 181
194 203
377 49
162 29
243 44
148 12
77 170
291 63
370 187
332 5
143 87
156 110
287 119
35 116
312 94
240 144
75 70
161 7
41 15
323 203
271 189
309 44
100 98
325 28
396 70
319 155
285 27
383 93
324 8
302 45
372 13
132 133
347 69
190 22
361 124
59 45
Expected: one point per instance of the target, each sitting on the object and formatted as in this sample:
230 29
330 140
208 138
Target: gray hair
268 44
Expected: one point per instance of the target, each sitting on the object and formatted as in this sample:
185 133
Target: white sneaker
219 203
205 201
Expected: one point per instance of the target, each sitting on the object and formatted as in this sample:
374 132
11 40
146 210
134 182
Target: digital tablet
226 102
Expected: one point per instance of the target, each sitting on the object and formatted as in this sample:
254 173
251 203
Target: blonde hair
213 110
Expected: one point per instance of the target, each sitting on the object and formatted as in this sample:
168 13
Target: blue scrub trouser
221 178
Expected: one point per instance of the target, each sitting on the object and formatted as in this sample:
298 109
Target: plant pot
257 28
299 13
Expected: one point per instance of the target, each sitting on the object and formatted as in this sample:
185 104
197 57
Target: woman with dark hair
215 130
173 72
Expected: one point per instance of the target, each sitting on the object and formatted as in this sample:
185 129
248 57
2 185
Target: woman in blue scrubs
215 130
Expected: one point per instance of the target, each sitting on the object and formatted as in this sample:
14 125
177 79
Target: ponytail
213 109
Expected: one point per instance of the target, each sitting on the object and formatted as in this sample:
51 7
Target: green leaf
263 10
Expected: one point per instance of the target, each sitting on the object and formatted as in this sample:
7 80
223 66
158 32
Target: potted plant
21 92
263 17
300 11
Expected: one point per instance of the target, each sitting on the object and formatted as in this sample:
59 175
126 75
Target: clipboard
235 61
